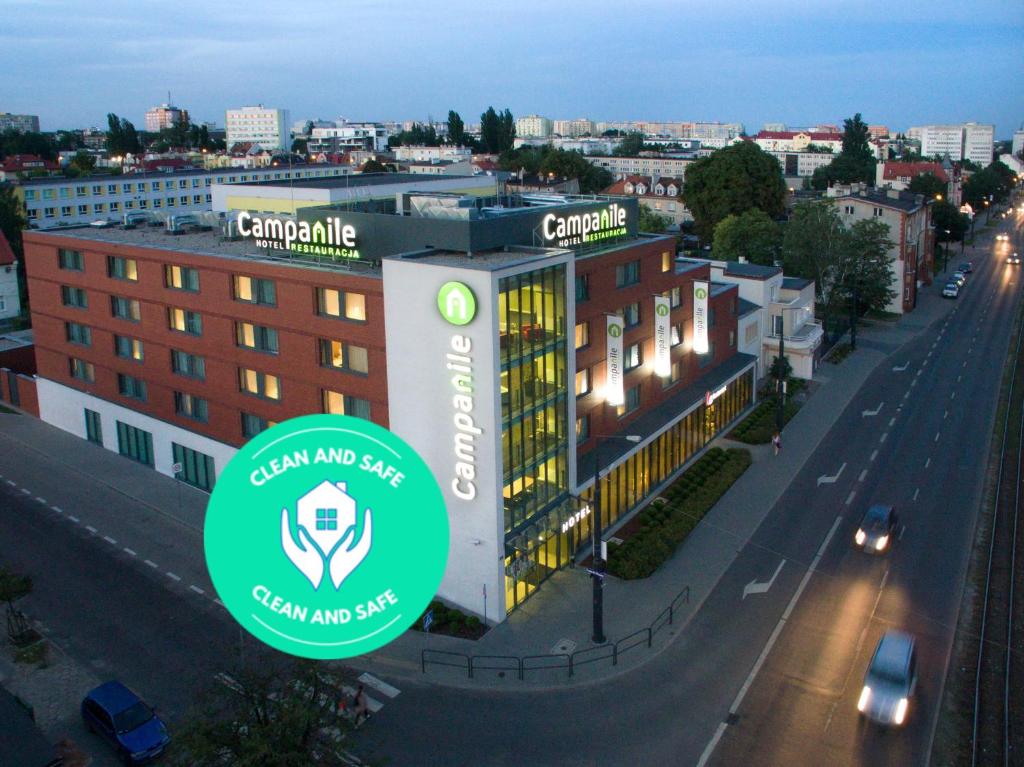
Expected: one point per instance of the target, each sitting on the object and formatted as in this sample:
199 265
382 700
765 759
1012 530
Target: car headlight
865 696
859 537
882 542
901 711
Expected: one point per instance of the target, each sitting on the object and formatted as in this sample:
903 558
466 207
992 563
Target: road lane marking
219 602
380 686
937 435
928 463
850 497
884 437
916 492
965 364
12 484
109 540
874 455
758 587
876 411
74 519
196 589
905 396
152 564
41 500
900 368
58 509
952 395
945 414
892 421
91 529
825 479
924 364
914 382
770 643
862 475
917 374
958 378
929 354
26 491
129 552
172 576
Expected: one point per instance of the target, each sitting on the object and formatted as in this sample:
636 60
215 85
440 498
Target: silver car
891 679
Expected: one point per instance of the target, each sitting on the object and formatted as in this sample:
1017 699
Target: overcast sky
799 62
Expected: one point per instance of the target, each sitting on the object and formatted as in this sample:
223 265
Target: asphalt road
800 707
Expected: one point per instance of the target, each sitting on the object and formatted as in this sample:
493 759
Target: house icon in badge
327 513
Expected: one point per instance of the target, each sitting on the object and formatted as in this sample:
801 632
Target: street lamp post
597 567
780 382
945 258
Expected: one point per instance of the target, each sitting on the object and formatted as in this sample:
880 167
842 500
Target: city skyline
654 67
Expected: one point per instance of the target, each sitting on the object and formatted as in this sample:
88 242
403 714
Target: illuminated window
255 291
337 303
125 308
257 337
342 404
342 356
666 261
582 382
122 268
259 384
582 334
82 370
634 356
677 334
128 348
185 321
181 278
631 314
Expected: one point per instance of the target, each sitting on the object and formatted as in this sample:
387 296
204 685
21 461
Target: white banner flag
662 339
700 316
613 361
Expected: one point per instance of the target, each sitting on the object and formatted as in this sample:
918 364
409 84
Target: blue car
121 718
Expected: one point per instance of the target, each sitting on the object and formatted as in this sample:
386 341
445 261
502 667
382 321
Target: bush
452 622
645 551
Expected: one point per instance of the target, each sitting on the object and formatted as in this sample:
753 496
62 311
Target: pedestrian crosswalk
343 698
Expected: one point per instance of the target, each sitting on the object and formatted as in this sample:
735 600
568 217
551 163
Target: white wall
64 407
10 303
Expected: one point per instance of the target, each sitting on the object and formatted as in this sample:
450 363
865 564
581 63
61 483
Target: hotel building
506 339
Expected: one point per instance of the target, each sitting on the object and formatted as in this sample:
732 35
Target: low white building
10 302
644 165
432 153
774 307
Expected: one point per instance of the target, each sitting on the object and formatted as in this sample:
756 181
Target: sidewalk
558 618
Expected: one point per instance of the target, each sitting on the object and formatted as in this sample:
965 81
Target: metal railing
520 666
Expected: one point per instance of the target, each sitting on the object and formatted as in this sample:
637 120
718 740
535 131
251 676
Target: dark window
93 427
78 334
675 297
70 260
703 360
189 365
82 370
75 297
135 443
711 317
128 348
130 386
634 357
197 468
253 425
190 406
125 308
582 288
627 274
632 401
582 429
631 314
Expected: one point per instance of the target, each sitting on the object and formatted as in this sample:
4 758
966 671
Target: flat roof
204 243
747 307
795 283
349 180
488 260
751 271
151 175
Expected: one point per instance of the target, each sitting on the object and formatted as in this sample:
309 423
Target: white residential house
773 305
10 303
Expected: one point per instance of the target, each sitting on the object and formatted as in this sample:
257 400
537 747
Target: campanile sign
701 289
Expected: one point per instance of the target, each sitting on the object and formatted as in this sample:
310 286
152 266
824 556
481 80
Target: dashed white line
929 353
937 435
129 552
152 564
918 373
58 509
26 491
109 540
965 364
892 421
12 484
74 519
928 463
219 602
952 395
884 437
41 500
862 475
914 382
91 529
905 396
709 749
874 455
850 497
958 378
172 576
945 414
918 490
196 589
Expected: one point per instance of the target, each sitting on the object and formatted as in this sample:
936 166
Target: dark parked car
121 718
967 267
877 528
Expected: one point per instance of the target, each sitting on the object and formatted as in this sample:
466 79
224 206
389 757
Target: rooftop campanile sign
326 237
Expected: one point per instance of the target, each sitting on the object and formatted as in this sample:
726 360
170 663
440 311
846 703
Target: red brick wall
606 298
22 359
294 317
28 399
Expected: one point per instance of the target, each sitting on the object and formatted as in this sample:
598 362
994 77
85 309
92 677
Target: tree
561 163
869 277
83 162
947 217
300 145
929 185
856 161
751 235
631 145
122 138
27 142
418 135
732 180
497 131
992 184
812 247
507 131
374 166
282 717
456 129
12 222
652 222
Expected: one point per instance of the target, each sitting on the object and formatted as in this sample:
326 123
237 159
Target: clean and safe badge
326 536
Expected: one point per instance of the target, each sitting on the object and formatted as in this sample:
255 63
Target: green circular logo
662 310
700 293
326 536
456 303
615 330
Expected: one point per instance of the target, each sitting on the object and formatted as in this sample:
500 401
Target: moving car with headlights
1002 238
890 681
967 267
122 719
952 290
876 530
960 278
1013 259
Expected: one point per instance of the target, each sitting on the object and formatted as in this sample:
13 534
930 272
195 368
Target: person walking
777 442
362 713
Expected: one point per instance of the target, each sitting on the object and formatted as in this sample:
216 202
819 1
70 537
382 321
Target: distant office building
899 175
342 136
798 141
798 165
978 143
773 127
620 167
970 141
581 126
1018 142
165 116
714 134
533 126
20 123
259 125
878 131
413 153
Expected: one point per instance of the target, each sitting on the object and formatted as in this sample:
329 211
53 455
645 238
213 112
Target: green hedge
665 526
448 620
758 427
